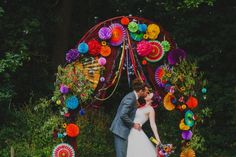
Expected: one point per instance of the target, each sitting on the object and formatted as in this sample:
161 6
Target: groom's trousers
120 146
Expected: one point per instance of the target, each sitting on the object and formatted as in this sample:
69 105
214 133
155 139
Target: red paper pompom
124 21
94 47
192 102
72 130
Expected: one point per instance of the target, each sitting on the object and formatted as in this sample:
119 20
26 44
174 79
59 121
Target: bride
139 144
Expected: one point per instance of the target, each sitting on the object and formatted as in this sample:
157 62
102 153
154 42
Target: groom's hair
138 85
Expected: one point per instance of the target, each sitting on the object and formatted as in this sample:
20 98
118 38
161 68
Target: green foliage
95 139
29 131
72 77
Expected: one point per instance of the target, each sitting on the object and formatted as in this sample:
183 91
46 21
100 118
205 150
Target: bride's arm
153 124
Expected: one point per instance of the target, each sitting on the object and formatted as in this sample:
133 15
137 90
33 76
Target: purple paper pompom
72 55
64 89
187 135
175 56
105 33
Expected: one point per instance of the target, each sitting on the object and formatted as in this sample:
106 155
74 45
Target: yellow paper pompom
153 31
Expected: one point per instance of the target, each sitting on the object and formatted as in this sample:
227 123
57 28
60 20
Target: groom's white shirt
136 95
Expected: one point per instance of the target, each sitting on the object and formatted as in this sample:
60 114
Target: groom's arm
127 106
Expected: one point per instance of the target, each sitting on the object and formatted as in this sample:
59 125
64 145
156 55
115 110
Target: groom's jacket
123 121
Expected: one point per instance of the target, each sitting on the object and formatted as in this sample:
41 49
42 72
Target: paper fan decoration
118 34
157 52
63 150
133 27
136 36
168 102
188 153
105 33
159 74
166 45
188 118
175 56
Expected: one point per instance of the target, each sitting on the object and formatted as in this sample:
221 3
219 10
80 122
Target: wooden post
12 152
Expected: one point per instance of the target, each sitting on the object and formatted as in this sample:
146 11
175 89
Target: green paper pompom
133 27
166 45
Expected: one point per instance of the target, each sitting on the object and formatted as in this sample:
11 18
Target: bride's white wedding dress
139 144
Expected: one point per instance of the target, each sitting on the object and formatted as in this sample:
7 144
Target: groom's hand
137 126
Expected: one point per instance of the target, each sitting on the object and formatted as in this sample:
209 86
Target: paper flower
133 27
102 79
166 45
144 48
83 48
63 149
94 47
142 27
72 102
102 61
157 52
105 33
175 56
72 130
64 89
153 31
72 55
124 21
187 135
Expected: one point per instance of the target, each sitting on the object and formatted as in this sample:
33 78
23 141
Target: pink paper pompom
144 48
102 61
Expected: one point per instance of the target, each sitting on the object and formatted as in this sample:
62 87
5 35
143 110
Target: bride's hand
137 126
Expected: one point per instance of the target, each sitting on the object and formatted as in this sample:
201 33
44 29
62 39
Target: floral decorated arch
135 47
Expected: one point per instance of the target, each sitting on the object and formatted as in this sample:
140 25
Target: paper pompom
118 34
175 56
136 36
105 51
192 102
144 48
182 125
144 62
102 61
63 150
72 130
187 135
72 102
166 45
133 27
188 118
83 48
124 21
94 47
105 33
72 55
64 89
142 27
153 31
168 102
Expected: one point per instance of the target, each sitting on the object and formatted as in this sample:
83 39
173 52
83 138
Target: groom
123 121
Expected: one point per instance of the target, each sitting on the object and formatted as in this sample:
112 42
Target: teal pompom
83 48
72 102
142 27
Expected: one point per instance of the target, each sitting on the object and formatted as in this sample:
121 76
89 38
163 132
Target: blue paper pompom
72 102
83 48
142 27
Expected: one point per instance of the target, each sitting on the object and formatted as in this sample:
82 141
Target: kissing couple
130 140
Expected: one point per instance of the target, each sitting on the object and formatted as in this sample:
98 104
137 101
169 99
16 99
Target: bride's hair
155 100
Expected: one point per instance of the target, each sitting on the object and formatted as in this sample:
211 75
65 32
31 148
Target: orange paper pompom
124 21
72 130
105 51
192 102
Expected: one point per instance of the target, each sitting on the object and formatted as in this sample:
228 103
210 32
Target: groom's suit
123 122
